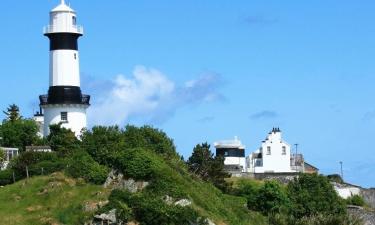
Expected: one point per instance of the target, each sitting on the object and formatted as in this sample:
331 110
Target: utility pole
295 157
342 173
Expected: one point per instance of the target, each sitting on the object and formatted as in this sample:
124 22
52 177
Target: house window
74 20
64 116
268 150
284 150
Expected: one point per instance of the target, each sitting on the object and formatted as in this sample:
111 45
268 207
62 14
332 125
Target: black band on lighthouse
63 41
64 95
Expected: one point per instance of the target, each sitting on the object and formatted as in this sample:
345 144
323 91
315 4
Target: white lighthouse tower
64 102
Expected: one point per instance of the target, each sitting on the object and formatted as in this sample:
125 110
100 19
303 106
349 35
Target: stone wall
281 177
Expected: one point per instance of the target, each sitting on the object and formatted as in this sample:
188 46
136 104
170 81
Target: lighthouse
64 104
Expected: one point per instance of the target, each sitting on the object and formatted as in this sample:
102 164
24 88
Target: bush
26 159
138 163
62 140
82 165
149 138
335 178
150 209
47 167
6 177
102 143
270 198
355 200
313 194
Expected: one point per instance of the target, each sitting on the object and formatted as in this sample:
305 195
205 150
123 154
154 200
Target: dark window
74 19
230 152
64 116
268 150
75 55
284 150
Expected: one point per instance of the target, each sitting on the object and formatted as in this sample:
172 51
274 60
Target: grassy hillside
57 199
53 199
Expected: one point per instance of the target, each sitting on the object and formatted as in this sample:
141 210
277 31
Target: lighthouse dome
62 8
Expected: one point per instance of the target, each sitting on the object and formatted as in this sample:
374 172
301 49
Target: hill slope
53 199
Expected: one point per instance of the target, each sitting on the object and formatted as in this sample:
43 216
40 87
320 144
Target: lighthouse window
284 150
268 150
75 55
74 19
64 116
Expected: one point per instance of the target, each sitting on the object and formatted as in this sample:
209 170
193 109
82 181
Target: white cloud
148 95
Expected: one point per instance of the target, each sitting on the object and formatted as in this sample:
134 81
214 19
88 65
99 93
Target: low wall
281 177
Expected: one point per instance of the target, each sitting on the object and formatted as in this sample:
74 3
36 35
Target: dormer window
74 20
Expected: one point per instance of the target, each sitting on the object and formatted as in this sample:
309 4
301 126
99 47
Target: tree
313 194
13 113
200 161
19 133
62 140
203 163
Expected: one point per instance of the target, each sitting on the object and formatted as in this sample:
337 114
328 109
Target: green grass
53 199
207 199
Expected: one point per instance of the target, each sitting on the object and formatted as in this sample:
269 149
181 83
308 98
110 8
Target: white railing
58 29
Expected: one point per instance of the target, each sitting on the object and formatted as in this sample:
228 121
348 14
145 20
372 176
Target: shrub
150 138
150 209
355 200
82 165
270 198
335 178
6 177
313 194
102 143
138 163
62 140
47 167
26 159
247 188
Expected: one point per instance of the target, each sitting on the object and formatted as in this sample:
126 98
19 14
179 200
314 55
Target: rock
367 216
369 196
183 203
109 217
210 222
116 180
168 199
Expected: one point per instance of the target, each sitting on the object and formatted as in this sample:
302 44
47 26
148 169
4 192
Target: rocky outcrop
369 196
367 216
116 180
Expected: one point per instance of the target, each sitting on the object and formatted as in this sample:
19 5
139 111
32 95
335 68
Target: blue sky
210 70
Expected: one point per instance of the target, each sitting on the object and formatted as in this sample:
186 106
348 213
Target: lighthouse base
71 116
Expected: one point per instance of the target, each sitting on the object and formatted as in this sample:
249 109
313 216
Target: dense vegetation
148 154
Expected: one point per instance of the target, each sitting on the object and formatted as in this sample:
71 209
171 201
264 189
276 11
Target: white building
64 102
10 153
274 155
234 154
